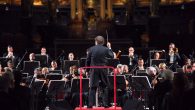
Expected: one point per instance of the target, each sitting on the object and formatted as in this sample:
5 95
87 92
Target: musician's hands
10 55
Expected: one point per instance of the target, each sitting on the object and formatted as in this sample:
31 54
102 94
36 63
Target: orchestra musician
32 57
133 58
156 55
71 56
173 57
10 55
54 65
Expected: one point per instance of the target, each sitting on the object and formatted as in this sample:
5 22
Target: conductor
97 56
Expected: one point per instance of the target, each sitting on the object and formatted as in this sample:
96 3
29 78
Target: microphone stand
21 60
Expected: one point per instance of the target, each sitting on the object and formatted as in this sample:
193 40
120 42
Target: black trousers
92 94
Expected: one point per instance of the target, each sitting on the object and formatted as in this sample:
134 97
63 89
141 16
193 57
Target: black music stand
141 82
124 59
157 62
179 70
68 64
3 61
120 81
54 76
75 85
30 66
43 59
55 71
36 87
142 86
54 86
82 62
141 73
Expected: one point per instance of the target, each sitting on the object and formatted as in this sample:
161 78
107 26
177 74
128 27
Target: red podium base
98 108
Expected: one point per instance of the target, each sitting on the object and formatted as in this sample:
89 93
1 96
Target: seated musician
156 55
73 98
32 57
54 65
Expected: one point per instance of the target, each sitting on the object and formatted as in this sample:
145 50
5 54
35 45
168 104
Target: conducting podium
43 59
29 66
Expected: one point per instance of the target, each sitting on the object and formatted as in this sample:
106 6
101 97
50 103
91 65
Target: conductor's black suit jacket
97 56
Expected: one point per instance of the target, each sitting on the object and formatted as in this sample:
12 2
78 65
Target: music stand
82 62
124 59
3 61
141 73
120 81
68 64
55 71
30 66
24 75
37 85
141 82
54 86
43 59
179 70
54 76
75 85
157 62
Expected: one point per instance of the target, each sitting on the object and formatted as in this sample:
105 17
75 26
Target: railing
99 67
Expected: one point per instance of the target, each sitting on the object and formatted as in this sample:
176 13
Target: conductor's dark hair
99 40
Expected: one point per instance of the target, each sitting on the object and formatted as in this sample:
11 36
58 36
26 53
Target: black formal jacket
97 56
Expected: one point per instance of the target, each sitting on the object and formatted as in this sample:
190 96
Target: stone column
73 9
102 9
109 10
79 10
